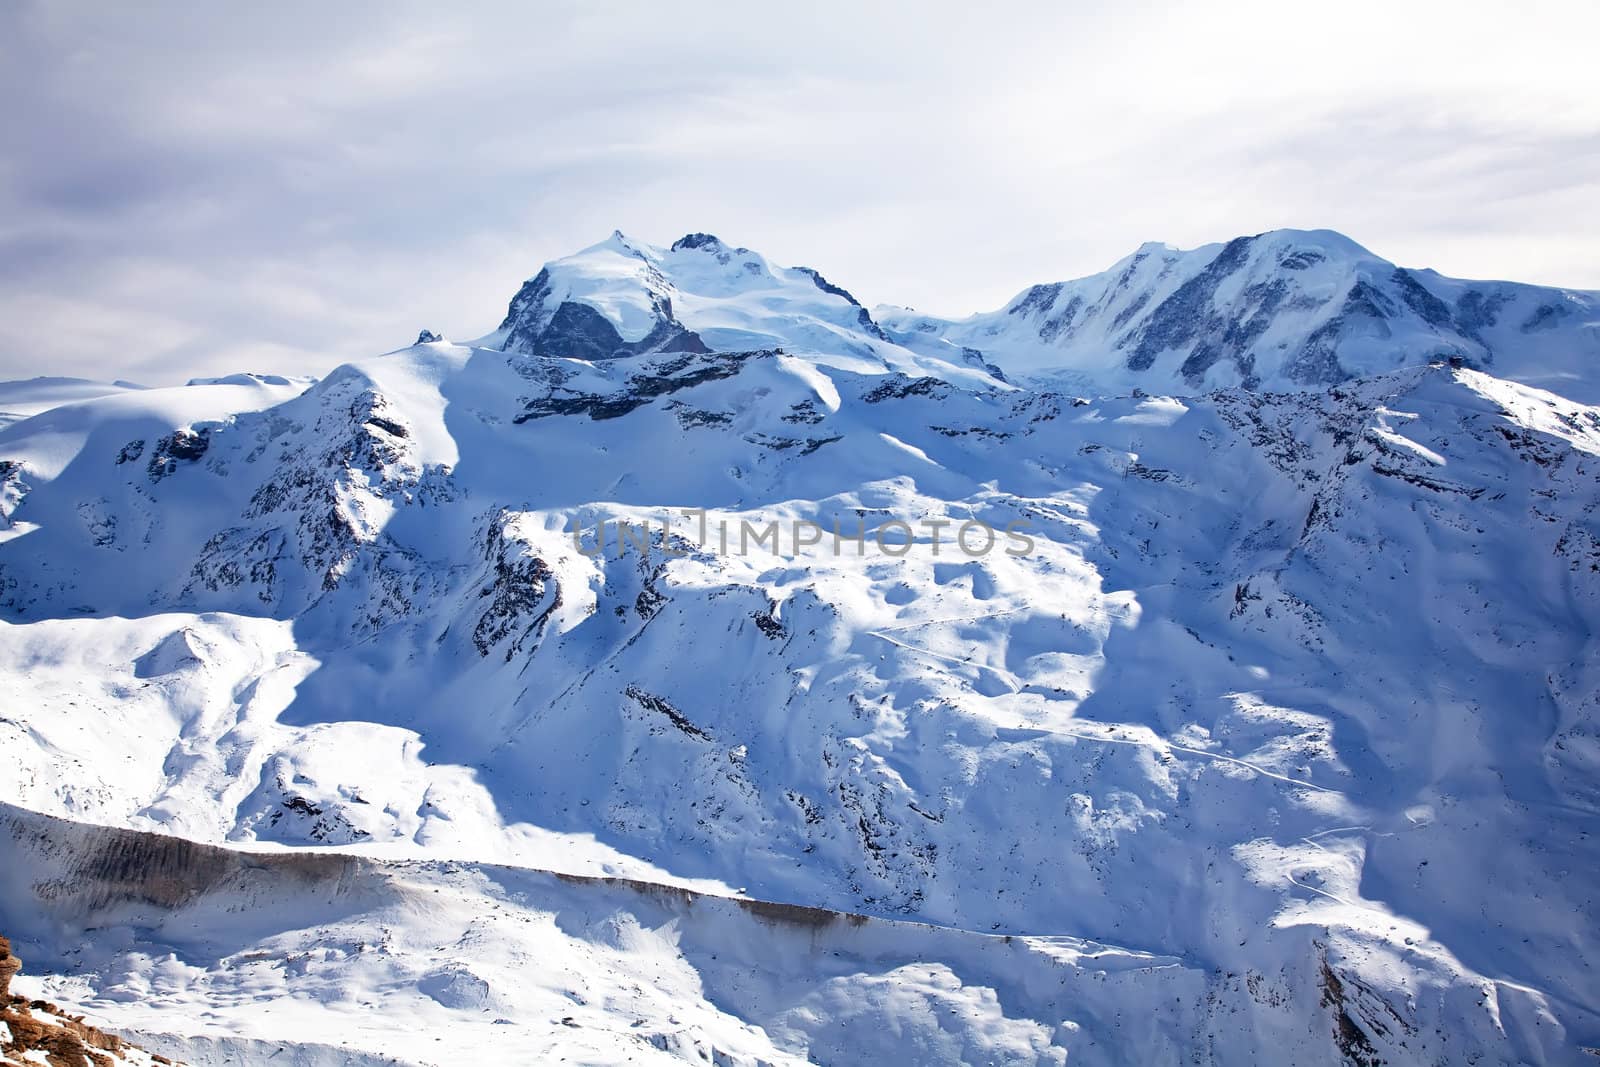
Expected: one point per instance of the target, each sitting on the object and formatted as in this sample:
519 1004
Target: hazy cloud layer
193 190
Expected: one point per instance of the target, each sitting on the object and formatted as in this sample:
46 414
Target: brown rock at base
39 1027
9 965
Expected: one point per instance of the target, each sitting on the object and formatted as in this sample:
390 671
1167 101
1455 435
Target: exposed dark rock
1429 308
527 300
1121 319
900 386
315 822
1363 299
696 240
1318 360
974 358
1437 485
806 445
1301 259
662 706
1188 314
578 331
691 419
596 407
969 431
38 1031
1545 317
428 337
12 489
1150 474
1061 323
9 966
179 446
805 412
651 599
1259 303
654 380
523 589
863 317
826 286
235 557
187 445
388 426
1476 311
1190 323
1354 1045
688 371
574 330
307 525
302 806
1037 301
767 440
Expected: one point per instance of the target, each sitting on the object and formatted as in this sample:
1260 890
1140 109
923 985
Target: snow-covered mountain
624 297
1267 727
1288 309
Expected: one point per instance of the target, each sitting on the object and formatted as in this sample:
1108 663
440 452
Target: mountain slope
22 399
1241 686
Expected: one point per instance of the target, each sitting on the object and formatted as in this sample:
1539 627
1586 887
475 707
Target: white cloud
191 190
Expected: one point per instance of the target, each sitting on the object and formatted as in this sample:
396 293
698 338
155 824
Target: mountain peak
697 240
1282 309
617 242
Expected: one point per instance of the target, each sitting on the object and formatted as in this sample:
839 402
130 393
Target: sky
192 189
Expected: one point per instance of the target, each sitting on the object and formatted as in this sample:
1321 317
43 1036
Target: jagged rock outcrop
9 967
12 490
320 514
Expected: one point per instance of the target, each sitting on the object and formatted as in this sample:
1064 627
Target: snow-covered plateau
334 734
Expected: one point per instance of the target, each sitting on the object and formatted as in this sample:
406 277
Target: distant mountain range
1288 309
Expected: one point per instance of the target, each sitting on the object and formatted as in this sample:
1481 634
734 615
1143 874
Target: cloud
191 190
